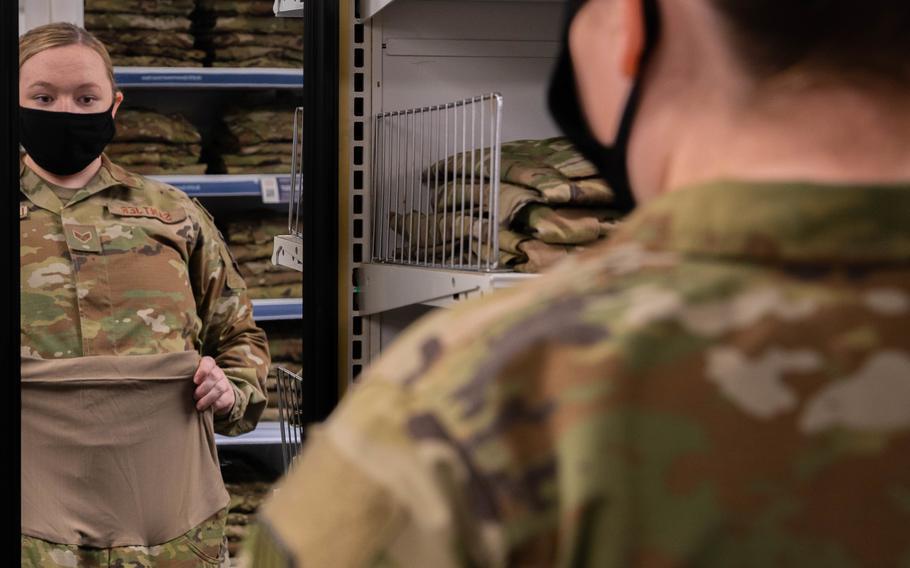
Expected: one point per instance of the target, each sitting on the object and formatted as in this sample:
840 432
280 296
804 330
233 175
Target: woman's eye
43 98
87 100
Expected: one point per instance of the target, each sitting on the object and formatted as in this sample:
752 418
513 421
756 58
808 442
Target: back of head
842 39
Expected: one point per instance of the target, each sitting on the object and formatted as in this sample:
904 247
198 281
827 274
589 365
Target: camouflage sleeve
365 492
229 334
354 531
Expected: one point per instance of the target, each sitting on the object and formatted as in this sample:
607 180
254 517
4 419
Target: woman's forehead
72 65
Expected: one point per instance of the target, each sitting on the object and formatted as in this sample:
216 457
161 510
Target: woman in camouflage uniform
118 269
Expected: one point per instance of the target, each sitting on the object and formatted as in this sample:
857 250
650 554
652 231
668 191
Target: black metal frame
319 213
9 263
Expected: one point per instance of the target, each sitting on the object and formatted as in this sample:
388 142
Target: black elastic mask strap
565 106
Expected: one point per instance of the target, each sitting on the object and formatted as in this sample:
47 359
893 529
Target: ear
118 99
606 40
635 40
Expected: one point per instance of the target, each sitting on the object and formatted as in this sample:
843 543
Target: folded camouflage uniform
267 169
231 39
263 25
109 21
275 291
523 165
258 268
139 125
251 251
565 226
260 8
286 348
273 279
241 52
149 142
260 230
272 414
266 61
250 127
152 7
176 150
122 50
144 37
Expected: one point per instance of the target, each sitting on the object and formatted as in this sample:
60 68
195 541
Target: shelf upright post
319 209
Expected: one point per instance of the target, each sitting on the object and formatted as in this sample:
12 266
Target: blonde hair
61 34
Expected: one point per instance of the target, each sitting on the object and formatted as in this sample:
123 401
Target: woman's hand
214 388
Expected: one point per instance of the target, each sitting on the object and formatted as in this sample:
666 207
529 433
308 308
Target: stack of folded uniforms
149 142
247 34
145 33
256 141
246 498
286 350
550 204
251 242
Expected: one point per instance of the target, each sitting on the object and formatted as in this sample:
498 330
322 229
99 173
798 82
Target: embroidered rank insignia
82 238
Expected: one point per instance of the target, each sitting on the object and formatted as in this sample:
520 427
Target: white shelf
266 433
272 188
278 309
370 8
208 78
386 287
288 8
288 252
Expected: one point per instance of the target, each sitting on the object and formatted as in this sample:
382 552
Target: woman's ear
606 41
118 99
635 40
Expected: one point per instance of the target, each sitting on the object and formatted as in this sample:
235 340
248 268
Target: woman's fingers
206 365
213 386
226 401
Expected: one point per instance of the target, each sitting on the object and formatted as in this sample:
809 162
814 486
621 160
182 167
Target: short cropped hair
61 34
863 38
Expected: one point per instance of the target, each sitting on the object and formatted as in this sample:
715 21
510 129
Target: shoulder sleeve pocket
232 269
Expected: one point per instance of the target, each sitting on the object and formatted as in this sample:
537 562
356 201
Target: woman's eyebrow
42 84
46 85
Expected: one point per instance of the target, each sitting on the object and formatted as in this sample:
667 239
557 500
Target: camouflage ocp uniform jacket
725 383
132 266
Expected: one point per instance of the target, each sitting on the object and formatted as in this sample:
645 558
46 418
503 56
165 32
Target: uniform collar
779 222
40 193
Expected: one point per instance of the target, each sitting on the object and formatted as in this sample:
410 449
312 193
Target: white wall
34 13
437 51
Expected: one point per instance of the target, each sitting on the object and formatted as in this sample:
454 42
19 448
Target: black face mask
64 143
565 106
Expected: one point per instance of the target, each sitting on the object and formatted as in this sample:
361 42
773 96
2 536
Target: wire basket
435 185
290 414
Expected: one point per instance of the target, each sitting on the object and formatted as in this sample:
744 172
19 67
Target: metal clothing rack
290 414
435 185
288 249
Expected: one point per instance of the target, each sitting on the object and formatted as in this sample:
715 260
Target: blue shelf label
286 310
218 188
290 79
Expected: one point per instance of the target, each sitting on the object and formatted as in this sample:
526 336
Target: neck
74 181
814 133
